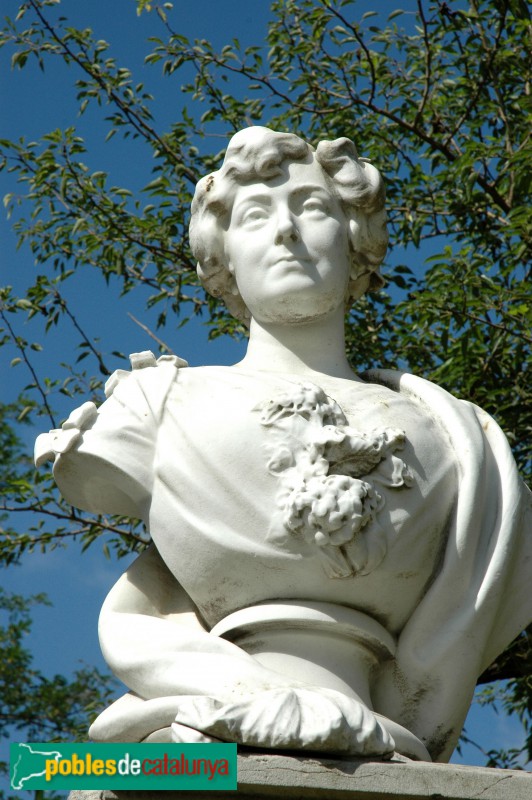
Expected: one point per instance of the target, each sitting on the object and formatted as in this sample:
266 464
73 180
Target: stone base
268 776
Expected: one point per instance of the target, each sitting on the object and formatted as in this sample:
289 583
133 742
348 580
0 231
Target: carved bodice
259 486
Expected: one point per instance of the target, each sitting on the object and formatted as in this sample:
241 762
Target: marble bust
336 557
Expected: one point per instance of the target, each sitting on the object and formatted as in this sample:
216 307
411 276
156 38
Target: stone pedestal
276 776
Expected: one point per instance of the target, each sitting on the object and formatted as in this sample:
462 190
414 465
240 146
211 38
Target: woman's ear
358 285
232 288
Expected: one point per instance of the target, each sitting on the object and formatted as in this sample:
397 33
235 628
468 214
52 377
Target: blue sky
37 103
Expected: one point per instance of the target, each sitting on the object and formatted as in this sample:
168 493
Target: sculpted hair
258 153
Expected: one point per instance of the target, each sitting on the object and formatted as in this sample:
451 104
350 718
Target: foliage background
437 94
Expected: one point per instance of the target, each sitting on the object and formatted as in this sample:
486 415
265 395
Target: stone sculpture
335 558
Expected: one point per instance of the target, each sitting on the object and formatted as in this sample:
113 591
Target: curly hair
257 153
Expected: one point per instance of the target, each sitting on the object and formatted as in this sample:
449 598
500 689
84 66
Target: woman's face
287 245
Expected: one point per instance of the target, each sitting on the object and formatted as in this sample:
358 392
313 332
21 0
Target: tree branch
22 350
131 116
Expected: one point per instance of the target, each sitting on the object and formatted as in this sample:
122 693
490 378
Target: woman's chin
296 310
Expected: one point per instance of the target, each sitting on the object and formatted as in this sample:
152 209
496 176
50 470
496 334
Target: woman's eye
254 214
314 205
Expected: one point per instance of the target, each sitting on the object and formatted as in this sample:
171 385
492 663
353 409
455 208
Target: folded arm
154 641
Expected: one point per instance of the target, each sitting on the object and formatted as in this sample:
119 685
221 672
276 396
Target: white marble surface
290 479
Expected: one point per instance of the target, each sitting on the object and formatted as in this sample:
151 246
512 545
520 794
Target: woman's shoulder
146 370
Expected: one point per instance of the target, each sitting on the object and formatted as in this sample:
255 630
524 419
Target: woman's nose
287 229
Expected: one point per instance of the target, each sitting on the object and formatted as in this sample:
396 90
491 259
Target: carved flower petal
178 362
55 441
327 434
341 536
43 451
81 417
324 506
112 382
142 360
280 460
62 440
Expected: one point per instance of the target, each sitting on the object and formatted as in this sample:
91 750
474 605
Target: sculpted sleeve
104 457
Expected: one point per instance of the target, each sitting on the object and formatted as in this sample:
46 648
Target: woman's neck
316 347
